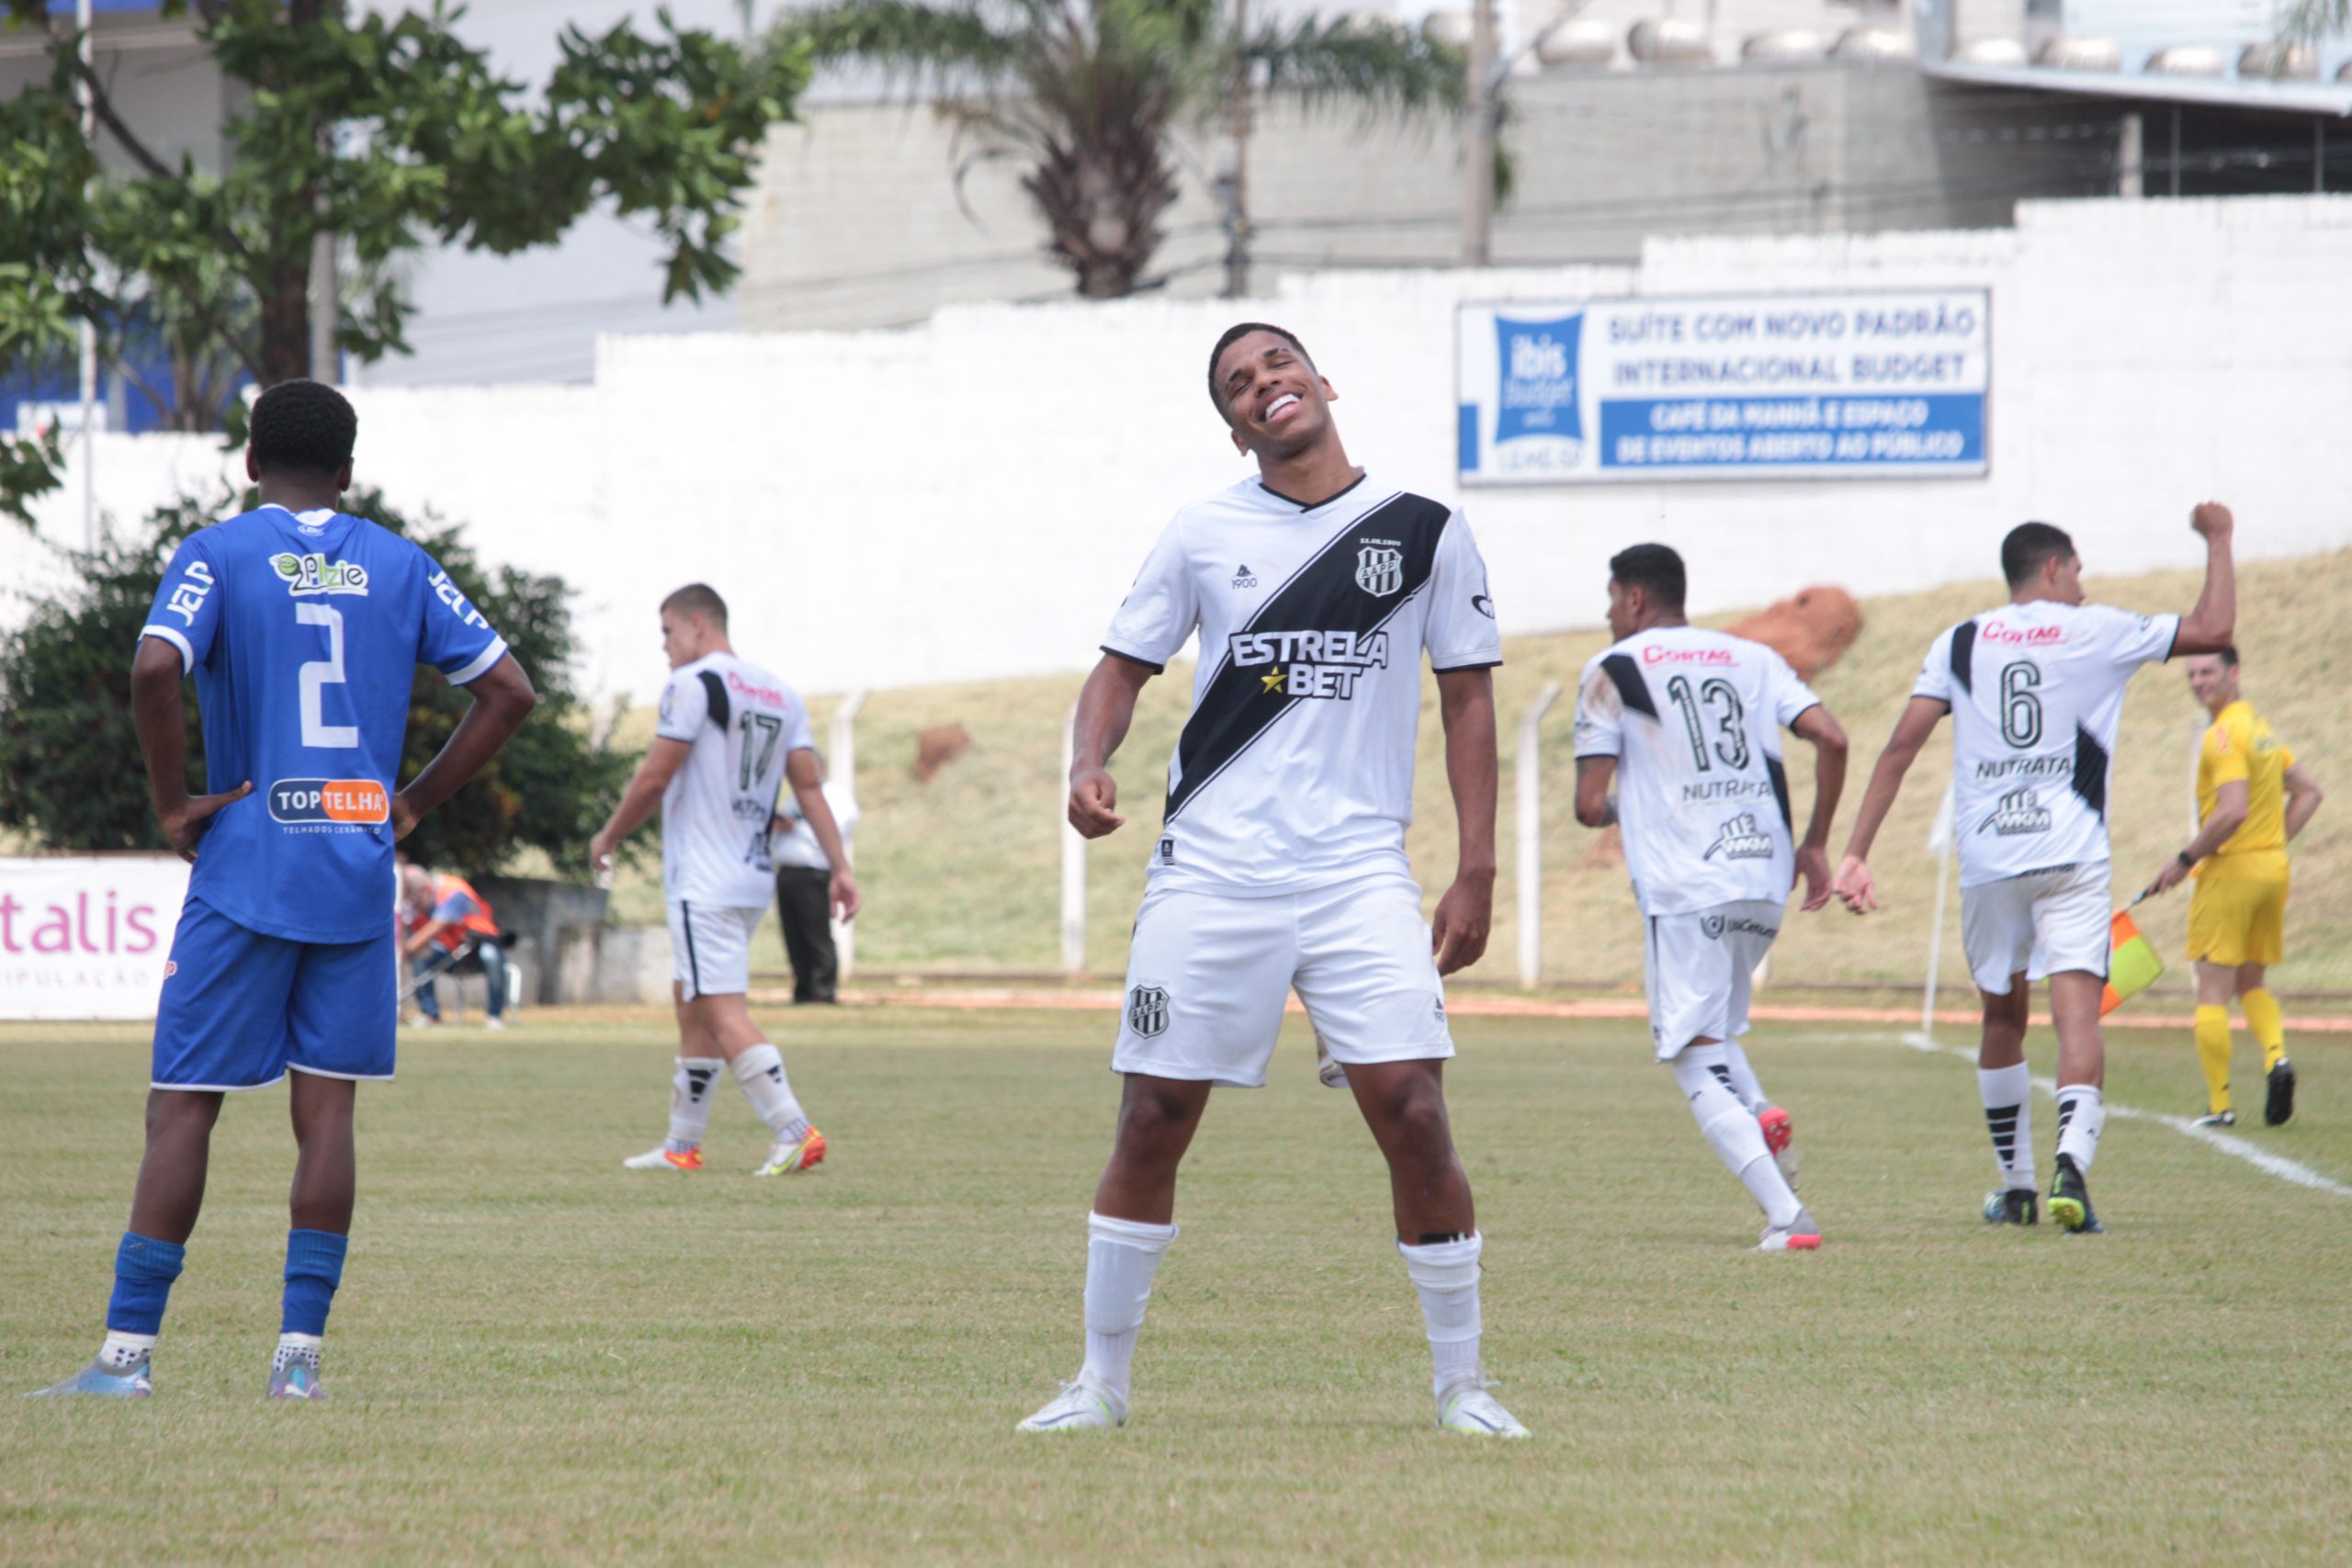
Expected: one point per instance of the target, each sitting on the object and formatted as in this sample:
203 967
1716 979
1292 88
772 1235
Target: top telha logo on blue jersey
316 574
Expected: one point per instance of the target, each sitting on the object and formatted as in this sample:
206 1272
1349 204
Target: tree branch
102 105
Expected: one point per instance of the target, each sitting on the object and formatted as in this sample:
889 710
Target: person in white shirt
730 735
804 889
1688 722
1316 588
2035 691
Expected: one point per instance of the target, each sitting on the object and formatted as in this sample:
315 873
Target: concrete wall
859 221
971 499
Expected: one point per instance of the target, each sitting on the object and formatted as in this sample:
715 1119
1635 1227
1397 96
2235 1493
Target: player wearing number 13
2035 691
303 626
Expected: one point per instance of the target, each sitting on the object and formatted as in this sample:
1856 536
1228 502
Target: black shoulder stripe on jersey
1238 706
715 691
1781 791
1626 676
2090 770
1963 656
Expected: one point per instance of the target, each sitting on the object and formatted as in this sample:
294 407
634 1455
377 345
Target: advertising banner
86 936
1766 386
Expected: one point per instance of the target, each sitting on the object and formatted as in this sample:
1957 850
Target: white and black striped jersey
1295 769
742 723
2036 692
1694 717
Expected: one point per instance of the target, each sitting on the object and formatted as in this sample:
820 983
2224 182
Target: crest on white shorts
1147 1010
1380 571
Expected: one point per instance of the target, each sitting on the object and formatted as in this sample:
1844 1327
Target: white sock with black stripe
2007 1093
760 1071
690 1102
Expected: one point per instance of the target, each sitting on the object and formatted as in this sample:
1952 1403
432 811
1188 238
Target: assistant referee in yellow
2252 798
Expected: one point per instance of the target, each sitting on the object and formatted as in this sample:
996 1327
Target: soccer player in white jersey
730 737
1316 587
2035 688
1689 720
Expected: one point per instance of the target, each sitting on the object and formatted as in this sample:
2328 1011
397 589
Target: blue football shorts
240 1008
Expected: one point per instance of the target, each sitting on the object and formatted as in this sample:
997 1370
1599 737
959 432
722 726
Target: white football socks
690 1102
2009 1116
760 1071
1743 1079
1445 1276
292 1348
2082 1116
1703 1075
1121 1258
123 1351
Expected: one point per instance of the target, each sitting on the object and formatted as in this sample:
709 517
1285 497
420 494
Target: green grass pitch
537 1356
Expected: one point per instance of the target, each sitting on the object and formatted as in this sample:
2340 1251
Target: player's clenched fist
1092 794
2212 519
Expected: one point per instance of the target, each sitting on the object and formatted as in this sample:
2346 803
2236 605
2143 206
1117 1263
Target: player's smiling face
1274 400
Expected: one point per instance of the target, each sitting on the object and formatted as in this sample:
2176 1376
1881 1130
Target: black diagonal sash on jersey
1631 690
1963 656
1238 707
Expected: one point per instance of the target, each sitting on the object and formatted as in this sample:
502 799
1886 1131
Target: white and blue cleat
295 1375
130 1382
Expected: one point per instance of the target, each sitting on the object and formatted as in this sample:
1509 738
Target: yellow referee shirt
2239 745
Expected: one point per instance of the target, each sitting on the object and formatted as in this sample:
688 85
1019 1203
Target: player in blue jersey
303 626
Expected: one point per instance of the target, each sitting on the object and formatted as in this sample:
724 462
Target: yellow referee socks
2262 1017
2213 1054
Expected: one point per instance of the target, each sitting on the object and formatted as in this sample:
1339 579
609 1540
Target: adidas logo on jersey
2020 812
1740 839
1244 577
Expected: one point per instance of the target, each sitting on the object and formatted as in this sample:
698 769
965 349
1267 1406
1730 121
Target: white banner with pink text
86 936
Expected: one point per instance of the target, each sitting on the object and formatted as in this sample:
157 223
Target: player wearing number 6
303 626
729 736
2035 689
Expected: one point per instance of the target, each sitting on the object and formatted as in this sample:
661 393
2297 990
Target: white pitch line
2230 1143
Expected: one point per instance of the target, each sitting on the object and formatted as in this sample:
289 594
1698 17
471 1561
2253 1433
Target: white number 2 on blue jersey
320 673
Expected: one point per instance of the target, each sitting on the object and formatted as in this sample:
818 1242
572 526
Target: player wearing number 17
2035 691
730 735
303 626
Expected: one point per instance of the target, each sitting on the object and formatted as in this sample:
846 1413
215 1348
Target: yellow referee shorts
2238 914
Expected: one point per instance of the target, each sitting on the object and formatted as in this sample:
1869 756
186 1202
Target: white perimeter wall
969 499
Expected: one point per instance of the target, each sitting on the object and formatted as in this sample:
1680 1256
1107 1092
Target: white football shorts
710 948
1209 973
1699 968
2044 922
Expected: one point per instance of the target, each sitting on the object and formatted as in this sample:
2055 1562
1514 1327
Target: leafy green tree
1087 93
381 128
70 769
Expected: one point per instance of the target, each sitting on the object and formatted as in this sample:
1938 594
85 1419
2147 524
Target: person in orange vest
444 912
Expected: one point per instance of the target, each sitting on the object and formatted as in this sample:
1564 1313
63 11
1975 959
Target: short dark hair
1234 335
699 599
2028 545
1655 569
2228 655
302 426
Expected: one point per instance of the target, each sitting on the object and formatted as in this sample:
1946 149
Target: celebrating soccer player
1692 719
1279 862
729 736
2252 798
2035 689
303 626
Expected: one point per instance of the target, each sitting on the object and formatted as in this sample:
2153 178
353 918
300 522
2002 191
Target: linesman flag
2132 962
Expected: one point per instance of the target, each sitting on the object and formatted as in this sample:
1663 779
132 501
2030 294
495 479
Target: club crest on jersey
315 574
1380 569
1147 1010
1740 839
2020 812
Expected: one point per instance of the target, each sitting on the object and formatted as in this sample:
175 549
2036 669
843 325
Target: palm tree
2313 20
1087 93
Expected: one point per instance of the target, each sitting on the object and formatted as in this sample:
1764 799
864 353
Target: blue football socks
314 1268
143 1271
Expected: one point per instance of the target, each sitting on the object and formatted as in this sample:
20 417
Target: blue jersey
304 634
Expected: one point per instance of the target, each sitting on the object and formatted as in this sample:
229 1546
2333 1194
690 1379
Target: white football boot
1467 1406
1080 1407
